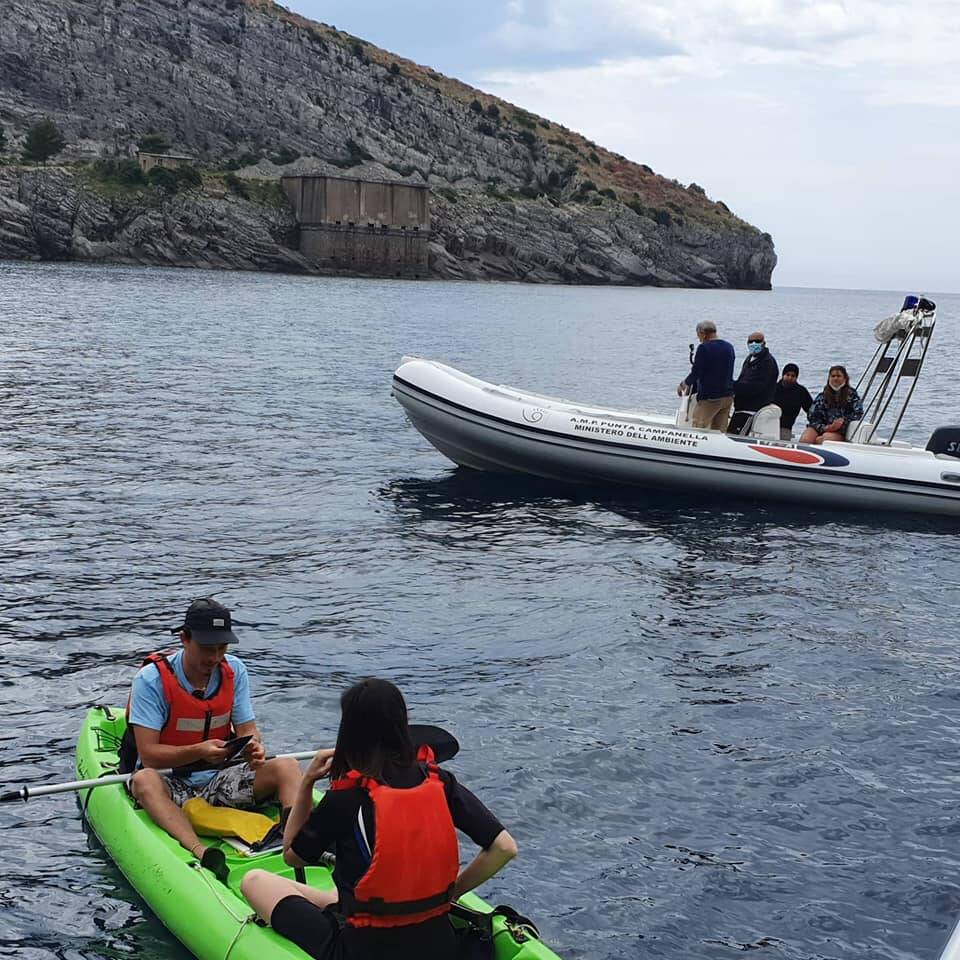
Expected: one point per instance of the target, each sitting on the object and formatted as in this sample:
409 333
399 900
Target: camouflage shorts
232 787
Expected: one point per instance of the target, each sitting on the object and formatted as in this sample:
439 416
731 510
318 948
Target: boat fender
945 441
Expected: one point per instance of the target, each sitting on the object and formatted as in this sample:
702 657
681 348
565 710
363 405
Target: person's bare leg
265 890
280 776
150 792
809 435
834 437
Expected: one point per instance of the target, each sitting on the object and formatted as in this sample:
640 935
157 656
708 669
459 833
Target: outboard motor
945 442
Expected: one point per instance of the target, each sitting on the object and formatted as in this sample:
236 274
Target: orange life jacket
193 719
416 857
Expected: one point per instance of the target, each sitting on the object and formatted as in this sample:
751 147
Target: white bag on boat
897 325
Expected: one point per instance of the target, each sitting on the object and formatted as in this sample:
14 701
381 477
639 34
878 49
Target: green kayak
210 918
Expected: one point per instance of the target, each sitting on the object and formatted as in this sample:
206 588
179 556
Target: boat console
764 424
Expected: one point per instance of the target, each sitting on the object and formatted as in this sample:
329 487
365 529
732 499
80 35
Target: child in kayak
391 814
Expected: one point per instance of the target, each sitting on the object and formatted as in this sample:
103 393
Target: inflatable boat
484 426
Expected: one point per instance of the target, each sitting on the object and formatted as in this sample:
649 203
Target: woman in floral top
833 410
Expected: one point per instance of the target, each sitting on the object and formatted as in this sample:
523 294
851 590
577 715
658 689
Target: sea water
711 725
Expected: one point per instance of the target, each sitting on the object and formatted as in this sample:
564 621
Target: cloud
709 37
820 122
830 123
570 29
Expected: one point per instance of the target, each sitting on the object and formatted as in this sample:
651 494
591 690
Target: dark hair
373 730
843 394
790 368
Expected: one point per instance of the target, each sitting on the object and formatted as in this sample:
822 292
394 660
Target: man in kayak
711 378
183 709
756 385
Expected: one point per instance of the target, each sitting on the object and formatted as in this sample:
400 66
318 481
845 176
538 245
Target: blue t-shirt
712 372
149 708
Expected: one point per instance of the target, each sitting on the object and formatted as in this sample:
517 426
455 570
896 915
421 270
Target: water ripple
714 727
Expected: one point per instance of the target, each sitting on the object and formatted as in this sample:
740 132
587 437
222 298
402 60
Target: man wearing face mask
757 383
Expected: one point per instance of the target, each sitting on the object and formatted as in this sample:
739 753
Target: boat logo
532 414
807 456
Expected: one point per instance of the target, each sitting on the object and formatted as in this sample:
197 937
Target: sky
832 124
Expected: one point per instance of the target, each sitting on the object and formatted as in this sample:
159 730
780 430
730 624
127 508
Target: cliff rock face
514 195
55 214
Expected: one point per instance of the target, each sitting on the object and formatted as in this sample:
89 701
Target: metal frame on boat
904 341
496 428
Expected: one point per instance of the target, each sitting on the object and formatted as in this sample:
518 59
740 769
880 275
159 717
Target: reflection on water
714 726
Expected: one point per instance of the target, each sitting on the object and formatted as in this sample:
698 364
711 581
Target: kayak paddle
443 744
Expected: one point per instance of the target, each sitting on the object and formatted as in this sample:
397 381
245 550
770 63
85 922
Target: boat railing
895 364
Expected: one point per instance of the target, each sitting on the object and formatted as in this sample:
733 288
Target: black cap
208 623
791 368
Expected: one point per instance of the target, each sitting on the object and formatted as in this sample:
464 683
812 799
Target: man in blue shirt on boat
711 379
184 708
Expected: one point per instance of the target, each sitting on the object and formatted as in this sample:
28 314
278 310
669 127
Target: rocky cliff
514 195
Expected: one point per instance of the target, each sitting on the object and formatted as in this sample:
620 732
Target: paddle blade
443 744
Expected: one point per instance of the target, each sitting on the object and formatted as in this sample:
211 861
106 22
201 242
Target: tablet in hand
236 746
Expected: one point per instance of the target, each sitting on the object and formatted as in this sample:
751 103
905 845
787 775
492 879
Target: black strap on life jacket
378 907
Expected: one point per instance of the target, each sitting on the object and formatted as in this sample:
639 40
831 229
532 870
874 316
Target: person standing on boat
791 397
757 383
392 815
183 708
833 410
711 379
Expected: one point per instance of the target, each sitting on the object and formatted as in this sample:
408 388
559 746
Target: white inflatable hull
487 427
